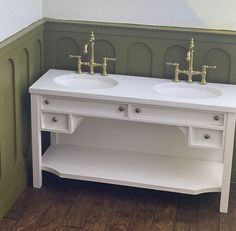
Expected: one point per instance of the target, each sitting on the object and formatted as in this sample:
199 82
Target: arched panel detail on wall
139 60
174 54
64 47
26 53
104 48
23 104
14 86
8 116
37 59
221 59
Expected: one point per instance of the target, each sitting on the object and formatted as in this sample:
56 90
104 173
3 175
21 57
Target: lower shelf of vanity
141 170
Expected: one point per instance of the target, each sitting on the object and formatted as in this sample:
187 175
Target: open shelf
153 171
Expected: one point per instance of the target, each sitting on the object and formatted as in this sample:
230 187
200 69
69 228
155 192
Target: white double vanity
135 131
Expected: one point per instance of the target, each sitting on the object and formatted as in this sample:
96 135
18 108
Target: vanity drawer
176 116
85 107
55 122
62 123
208 138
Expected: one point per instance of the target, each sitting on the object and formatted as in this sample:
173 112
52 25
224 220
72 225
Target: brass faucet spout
91 42
189 57
86 48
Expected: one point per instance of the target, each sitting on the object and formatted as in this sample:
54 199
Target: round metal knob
137 110
54 119
121 108
216 118
46 101
207 136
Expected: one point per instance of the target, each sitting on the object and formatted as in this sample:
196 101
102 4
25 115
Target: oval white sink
186 90
85 81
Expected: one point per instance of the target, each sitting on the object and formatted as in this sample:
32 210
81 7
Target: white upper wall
211 14
16 15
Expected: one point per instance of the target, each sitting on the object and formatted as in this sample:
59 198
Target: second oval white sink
85 81
186 91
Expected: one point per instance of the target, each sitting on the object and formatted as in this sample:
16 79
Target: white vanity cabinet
207 130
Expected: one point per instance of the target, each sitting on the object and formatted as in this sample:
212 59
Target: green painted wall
140 50
21 63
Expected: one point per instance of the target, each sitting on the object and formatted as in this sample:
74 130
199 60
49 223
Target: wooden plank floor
67 205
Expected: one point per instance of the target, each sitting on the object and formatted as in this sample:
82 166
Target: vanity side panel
21 63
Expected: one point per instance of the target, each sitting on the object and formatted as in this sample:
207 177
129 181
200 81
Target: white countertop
133 89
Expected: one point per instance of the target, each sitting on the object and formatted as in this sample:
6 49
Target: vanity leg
36 141
228 155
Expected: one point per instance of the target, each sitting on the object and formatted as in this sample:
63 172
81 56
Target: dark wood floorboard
102 209
67 205
144 211
164 217
123 211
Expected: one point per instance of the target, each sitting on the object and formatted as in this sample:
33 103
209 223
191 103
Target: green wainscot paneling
21 63
141 50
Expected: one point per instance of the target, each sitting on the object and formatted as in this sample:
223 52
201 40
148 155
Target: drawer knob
137 110
46 101
54 119
216 118
121 108
207 136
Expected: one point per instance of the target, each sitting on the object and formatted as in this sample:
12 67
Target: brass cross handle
110 59
75 56
104 65
209 67
203 73
79 63
176 79
172 64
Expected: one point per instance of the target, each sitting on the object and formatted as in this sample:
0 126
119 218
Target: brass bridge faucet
190 72
91 63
